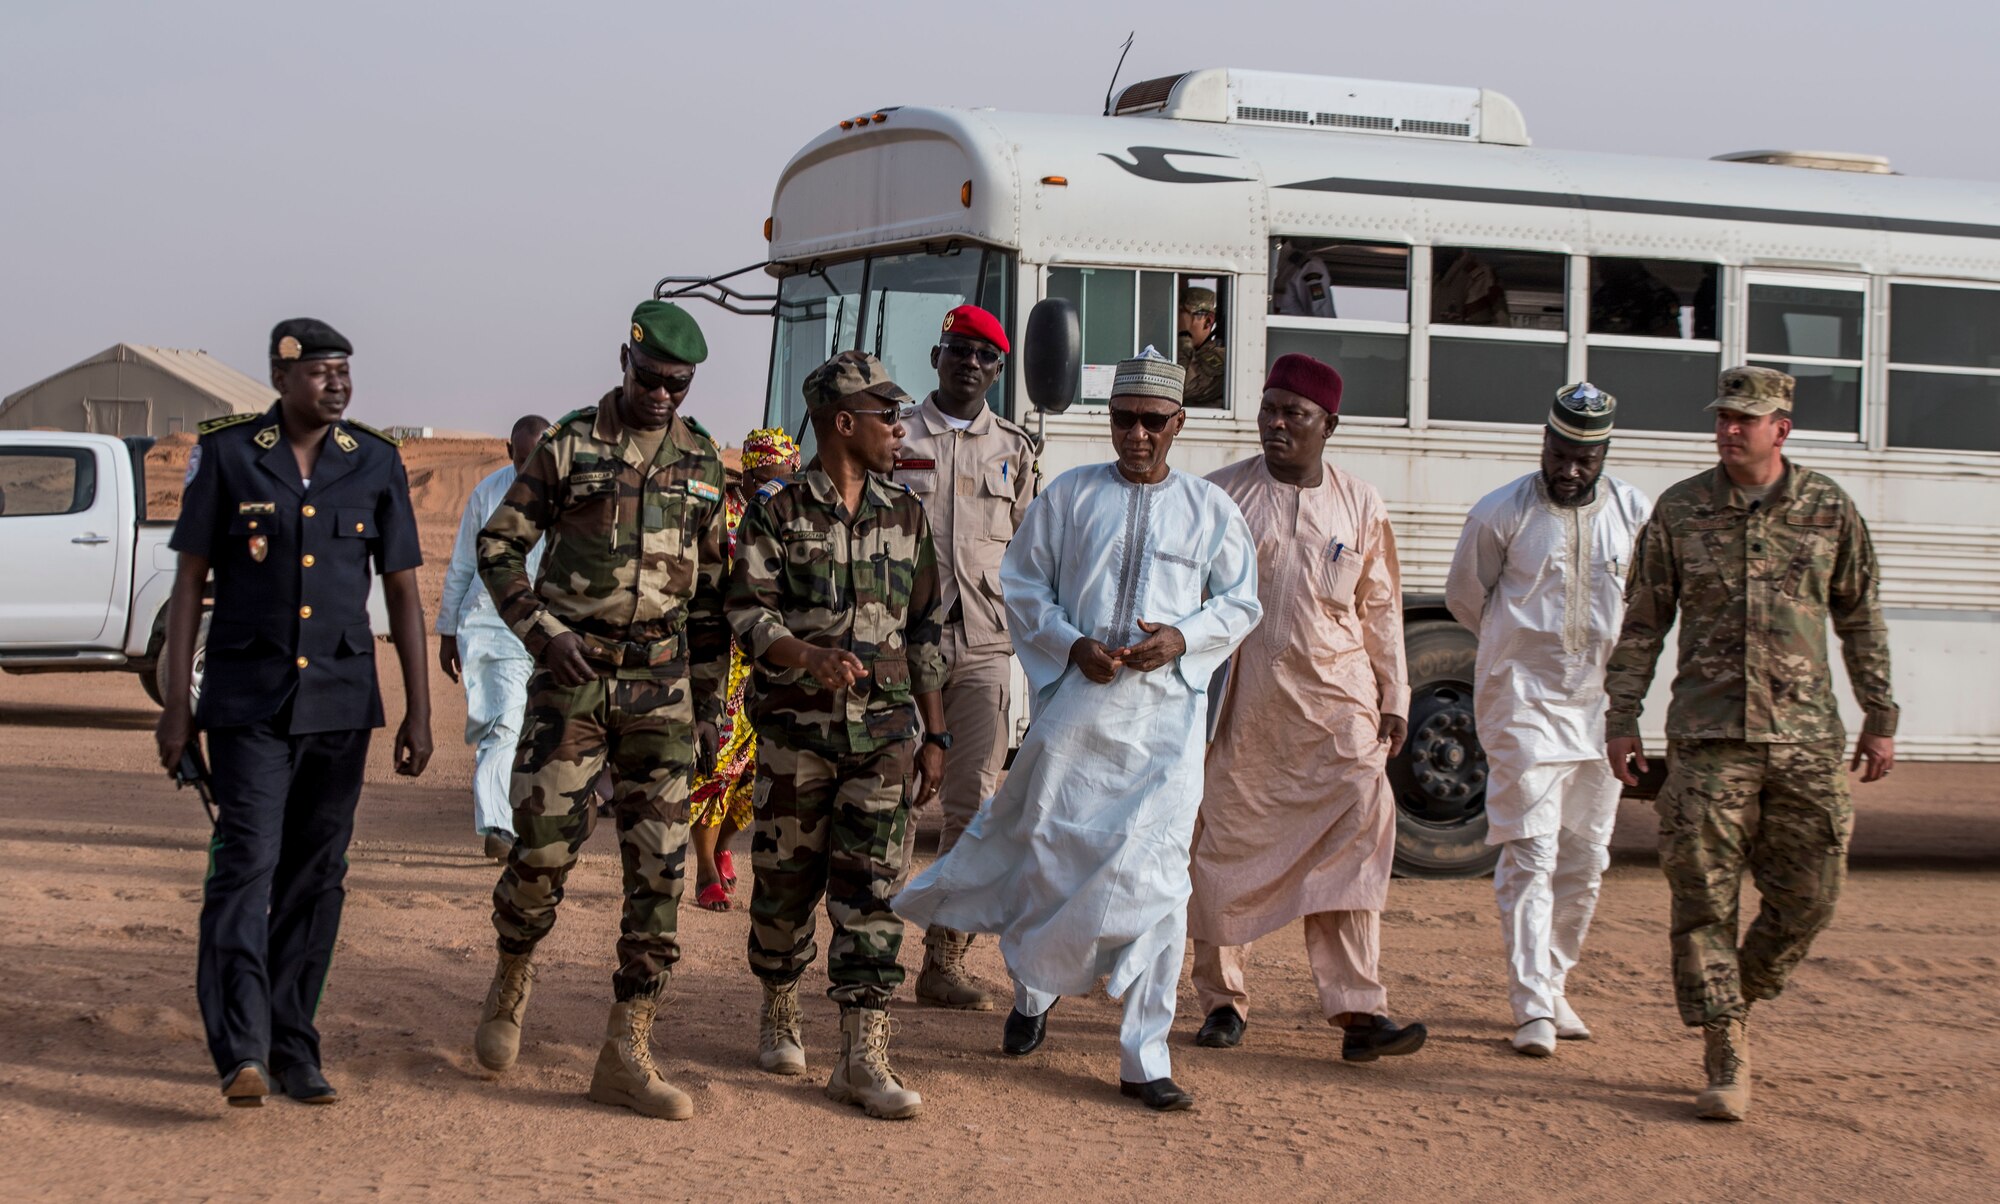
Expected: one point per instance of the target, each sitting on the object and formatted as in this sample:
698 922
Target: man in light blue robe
476 646
1127 585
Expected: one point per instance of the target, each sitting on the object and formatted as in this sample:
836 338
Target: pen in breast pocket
1338 548
1003 470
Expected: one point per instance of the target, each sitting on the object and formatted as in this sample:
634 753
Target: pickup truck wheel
155 681
1440 776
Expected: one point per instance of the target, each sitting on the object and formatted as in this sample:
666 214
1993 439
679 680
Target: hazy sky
477 194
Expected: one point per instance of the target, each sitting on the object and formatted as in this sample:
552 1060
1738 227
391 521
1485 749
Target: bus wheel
1440 776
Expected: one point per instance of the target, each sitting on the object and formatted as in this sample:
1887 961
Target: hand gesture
1098 663
563 658
1163 645
835 669
1626 754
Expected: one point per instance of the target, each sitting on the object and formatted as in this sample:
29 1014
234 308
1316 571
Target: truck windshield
890 306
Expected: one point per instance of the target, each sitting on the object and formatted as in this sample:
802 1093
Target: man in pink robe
1297 816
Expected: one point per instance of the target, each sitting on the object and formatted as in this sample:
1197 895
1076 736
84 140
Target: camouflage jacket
1754 589
1206 366
637 552
868 585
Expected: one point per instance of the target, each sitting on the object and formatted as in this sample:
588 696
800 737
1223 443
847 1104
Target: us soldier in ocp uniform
975 473
626 625
1198 347
834 598
288 507
1756 556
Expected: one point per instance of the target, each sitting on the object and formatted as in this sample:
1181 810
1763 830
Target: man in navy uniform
288 508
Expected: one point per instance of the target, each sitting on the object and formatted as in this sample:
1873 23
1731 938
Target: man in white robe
1540 575
1298 819
1127 585
475 646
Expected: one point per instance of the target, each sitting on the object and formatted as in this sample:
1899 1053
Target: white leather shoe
1569 1025
1536 1038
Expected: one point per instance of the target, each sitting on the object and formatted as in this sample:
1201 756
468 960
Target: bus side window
1182 315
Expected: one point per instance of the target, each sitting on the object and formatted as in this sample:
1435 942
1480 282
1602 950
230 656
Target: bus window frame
1432 331
1416 287
1231 402
1581 268
1870 425
1887 310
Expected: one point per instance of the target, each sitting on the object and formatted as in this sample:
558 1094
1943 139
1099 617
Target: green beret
665 331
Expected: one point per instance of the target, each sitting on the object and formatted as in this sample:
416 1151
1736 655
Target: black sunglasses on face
979 353
1125 420
887 416
649 381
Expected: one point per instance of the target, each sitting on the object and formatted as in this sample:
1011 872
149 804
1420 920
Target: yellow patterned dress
725 794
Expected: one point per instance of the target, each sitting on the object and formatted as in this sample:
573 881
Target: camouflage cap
1753 391
665 331
849 373
1198 300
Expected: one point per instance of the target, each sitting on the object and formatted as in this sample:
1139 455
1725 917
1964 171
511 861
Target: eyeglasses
887 416
979 353
1125 420
650 381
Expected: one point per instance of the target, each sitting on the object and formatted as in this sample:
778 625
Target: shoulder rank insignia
772 488
343 440
225 422
266 438
700 430
389 439
705 491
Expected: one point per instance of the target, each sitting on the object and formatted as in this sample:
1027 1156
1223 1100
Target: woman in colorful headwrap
720 805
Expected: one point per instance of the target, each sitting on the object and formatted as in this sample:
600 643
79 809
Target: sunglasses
887 416
649 381
1125 420
979 353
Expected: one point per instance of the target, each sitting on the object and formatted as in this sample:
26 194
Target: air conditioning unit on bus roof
1324 102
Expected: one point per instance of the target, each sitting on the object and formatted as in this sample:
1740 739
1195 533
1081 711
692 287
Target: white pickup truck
87 574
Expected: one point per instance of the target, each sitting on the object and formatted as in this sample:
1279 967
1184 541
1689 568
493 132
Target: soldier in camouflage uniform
627 628
1198 348
1756 556
834 598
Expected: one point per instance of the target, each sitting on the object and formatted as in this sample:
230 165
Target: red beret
977 323
1310 379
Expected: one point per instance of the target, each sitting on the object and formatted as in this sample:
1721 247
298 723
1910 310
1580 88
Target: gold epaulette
223 423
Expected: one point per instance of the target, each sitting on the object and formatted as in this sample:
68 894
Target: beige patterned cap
1754 391
1150 374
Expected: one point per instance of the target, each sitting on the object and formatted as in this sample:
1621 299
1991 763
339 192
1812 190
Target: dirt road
1878 1073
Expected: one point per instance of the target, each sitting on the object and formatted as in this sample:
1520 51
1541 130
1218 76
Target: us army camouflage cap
1198 300
849 373
1754 391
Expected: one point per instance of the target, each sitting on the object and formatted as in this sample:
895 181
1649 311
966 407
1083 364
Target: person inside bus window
1198 347
1468 293
1627 298
1307 291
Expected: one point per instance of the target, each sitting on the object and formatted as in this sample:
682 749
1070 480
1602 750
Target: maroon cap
976 323
1310 379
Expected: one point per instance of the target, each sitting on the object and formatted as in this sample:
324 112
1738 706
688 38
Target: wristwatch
941 739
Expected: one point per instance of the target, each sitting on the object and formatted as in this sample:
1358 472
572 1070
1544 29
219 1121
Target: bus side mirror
1052 354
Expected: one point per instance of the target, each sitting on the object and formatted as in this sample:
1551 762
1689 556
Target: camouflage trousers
645 731
1782 812
829 826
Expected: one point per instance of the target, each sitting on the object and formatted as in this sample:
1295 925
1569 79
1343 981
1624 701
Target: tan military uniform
975 485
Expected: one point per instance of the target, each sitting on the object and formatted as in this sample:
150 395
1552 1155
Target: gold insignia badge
949 319
638 333
260 547
344 440
266 438
289 349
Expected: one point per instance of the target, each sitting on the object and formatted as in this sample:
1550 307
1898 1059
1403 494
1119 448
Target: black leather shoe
306 1084
1023 1034
1222 1030
1161 1095
1378 1038
246 1086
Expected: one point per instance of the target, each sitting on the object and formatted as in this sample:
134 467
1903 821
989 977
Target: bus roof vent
1876 165
1276 98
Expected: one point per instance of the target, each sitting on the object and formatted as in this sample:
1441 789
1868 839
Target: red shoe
725 864
713 897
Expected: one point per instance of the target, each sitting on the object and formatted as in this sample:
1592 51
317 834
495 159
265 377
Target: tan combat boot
944 981
1727 1058
497 1040
625 1073
863 1075
779 1048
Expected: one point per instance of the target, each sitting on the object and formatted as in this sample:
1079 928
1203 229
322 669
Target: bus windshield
891 306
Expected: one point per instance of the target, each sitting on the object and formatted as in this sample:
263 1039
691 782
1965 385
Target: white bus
1457 277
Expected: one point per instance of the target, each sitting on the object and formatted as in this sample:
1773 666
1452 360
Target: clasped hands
1163 645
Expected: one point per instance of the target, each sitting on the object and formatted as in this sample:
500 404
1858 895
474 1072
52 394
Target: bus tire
1440 776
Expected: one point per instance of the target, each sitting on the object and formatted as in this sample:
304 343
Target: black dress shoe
246 1086
1161 1095
306 1084
1376 1037
1222 1030
1023 1034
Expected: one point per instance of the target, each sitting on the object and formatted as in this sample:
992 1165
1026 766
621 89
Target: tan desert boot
497 1041
944 981
625 1074
862 1075
1726 1056
779 1048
